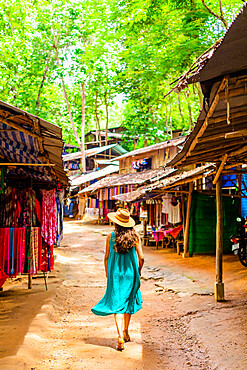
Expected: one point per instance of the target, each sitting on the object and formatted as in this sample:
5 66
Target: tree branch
220 17
43 81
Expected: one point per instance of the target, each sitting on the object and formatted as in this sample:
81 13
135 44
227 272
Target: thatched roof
136 178
166 183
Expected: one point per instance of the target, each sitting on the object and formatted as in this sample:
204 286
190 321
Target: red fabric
159 235
22 249
3 277
6 248
2 249
16 250
38 210
174 232
39 250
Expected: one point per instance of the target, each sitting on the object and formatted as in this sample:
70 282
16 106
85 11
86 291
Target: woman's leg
120 344
117 325
127 318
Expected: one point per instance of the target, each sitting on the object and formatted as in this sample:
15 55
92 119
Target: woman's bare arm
140 255
107 250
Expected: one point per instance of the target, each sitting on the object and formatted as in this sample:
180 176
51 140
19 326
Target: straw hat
122 218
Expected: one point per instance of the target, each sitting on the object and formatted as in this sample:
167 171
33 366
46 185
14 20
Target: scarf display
24 251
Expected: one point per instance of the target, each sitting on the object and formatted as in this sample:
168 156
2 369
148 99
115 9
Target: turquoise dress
123 293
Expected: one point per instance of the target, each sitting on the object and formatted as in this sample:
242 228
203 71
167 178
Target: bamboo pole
220 169
187 223
219 285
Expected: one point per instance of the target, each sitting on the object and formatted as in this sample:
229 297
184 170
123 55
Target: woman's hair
125 239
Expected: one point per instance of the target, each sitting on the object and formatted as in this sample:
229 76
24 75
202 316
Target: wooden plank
234 134
222 118
237 152
233 93
209 114
220 169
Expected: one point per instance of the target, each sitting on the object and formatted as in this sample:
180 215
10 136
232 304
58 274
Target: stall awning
25 138
128 179
82 179
166 183
115 148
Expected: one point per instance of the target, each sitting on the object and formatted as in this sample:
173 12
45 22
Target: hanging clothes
174 213
166 200
49 217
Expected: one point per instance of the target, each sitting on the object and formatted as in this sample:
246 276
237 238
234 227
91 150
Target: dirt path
179 327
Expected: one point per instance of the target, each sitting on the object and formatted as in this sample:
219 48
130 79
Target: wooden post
187 223
219 285
29 281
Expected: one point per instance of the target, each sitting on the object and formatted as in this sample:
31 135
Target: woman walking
123 295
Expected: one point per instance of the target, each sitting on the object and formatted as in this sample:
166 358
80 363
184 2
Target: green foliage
132 49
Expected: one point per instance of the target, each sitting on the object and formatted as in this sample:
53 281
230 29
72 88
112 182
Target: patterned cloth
49 217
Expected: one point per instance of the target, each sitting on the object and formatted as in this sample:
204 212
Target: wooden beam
237 152
209 114
223 118
17 127
220 169
28 164
219 286
233 93
233 134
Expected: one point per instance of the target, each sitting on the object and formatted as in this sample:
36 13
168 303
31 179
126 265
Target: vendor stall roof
166 183
115 148
79 180
128 179
25 138
221 130
147 149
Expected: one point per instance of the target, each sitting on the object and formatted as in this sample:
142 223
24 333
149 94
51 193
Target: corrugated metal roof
164 144
79 180
94 151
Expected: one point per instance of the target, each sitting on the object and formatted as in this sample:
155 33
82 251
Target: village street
179 327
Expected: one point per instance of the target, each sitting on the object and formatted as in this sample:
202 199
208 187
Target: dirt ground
179 327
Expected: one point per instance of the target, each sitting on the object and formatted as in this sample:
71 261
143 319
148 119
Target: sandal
120 344
126 336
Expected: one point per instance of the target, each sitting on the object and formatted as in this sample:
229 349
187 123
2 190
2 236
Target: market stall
31 193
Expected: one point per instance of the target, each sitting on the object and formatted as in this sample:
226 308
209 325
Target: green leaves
133 49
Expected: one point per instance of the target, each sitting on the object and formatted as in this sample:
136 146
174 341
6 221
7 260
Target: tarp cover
202 238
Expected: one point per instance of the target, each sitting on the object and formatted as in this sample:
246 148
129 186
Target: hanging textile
174 213
49 217
166 200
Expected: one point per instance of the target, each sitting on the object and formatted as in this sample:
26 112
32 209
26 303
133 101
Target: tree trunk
199 91
97 117
66 97
43 80
189 109
171 120
83 156
107 117
179 107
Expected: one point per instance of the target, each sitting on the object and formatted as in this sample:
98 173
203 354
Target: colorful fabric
49 217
